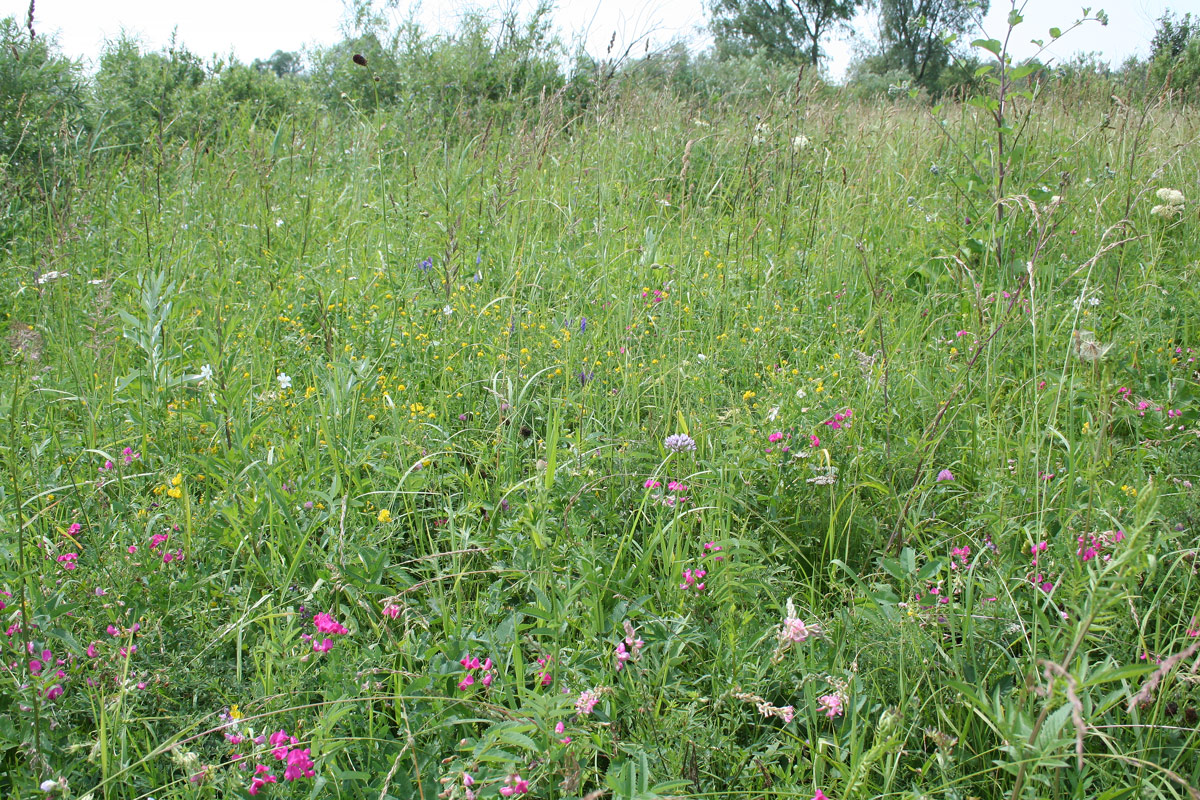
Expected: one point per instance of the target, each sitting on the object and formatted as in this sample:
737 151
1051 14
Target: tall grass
420 378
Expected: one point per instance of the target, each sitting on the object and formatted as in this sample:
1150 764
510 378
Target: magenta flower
327 624
775 437
830 705
945 475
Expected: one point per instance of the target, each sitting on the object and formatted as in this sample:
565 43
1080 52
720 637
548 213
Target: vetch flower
945 475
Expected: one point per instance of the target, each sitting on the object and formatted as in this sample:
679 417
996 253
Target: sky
256 28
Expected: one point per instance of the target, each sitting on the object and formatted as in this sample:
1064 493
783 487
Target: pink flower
299 765
820 795
587 701
54 692
74 529
830 704
775 437
813 441
35 667
651 483
324 646
327 624
391 611
945 475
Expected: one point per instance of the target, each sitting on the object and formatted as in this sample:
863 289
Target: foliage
917 35
41 116
791 30
1175 55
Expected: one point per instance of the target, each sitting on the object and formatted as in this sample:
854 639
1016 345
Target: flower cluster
631 648
792 631
783 713
679 443
840 417
691 580
325 624
1096 545
1172 203
485 670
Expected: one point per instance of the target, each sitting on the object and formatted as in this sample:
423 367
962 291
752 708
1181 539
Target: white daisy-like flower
206 373
285 382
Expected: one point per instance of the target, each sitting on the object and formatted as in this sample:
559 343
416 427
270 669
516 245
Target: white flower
206 373
284 381
48 786
1167 212
278 223
701 357
448 310
799 142
773 414
52 275
1172 197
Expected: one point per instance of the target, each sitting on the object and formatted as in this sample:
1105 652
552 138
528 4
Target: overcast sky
256 28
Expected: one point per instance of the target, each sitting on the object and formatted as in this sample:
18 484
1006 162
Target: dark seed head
1190 716
1172 708
360 59
526 431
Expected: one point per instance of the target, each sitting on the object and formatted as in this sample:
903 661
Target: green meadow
776 444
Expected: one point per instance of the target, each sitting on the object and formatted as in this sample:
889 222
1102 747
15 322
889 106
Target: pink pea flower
945 475
74 529
775 437
587 701
327 624
651 483
391 611
68 560
830 705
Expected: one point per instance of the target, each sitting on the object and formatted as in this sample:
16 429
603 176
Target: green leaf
993 46
1014 19
1022 71
1055 33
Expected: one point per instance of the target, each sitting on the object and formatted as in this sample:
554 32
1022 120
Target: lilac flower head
945 475
426 265
679 442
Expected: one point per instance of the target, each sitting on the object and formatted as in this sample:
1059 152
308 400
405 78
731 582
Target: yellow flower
178 479
175 492
234 713
384 515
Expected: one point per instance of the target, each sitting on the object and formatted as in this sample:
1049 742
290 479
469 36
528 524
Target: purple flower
426 265
583 324
679 442
945 475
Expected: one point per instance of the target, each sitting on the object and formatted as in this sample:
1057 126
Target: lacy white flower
799 142
284 381
1172 197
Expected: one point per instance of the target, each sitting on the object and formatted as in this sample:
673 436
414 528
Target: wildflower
799 142
206 373
820 795
713 547
830 705
74 529
775 437
651 483
691 580
68 560
792 631
1172 197
587 701
391 611
945 475
129 455
285 382
630 649
384 515
426 265
679 443
326 624
513 785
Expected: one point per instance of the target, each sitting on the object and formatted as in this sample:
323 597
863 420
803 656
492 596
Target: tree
783 29
282 63
916 33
